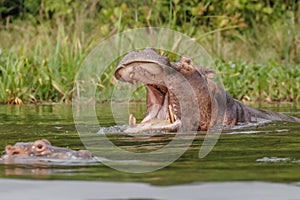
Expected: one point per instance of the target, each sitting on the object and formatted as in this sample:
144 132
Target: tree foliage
211 13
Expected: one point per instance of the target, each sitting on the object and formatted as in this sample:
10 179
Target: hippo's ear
85 154
46 141
209 73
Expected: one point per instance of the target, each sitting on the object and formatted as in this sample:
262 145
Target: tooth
171 114
131 74
132 120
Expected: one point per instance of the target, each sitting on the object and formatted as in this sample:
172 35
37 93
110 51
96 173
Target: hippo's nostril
15 153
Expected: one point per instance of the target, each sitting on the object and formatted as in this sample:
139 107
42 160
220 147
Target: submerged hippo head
172 87
43 148
37 148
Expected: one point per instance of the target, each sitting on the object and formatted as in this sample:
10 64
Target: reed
40 55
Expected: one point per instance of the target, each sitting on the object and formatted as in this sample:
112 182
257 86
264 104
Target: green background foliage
43 42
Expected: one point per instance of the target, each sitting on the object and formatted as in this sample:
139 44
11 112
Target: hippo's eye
39 146
15 153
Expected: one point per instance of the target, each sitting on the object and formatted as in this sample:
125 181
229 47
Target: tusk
131 74
132 120
171 114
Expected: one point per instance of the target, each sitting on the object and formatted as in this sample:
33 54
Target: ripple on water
277 159
113 129
273 159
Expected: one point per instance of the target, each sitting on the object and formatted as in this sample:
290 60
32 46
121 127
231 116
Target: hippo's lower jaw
154 125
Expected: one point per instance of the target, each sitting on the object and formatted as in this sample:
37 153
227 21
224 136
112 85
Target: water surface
268 153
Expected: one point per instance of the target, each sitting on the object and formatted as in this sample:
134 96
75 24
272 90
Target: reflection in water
46 161
33 165
37 171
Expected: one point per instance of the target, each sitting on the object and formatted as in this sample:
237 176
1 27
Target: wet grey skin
43 148
157 73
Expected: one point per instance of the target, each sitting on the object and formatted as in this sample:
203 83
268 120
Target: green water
234 158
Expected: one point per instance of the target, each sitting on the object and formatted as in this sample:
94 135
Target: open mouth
163 112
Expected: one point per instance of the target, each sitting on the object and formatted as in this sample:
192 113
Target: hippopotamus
164 110
43 148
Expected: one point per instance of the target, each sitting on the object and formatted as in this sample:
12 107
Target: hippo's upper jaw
162 110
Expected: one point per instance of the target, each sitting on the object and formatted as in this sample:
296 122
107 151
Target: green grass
261 82
39 60
44 69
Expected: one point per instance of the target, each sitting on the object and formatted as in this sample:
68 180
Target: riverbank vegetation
255 44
